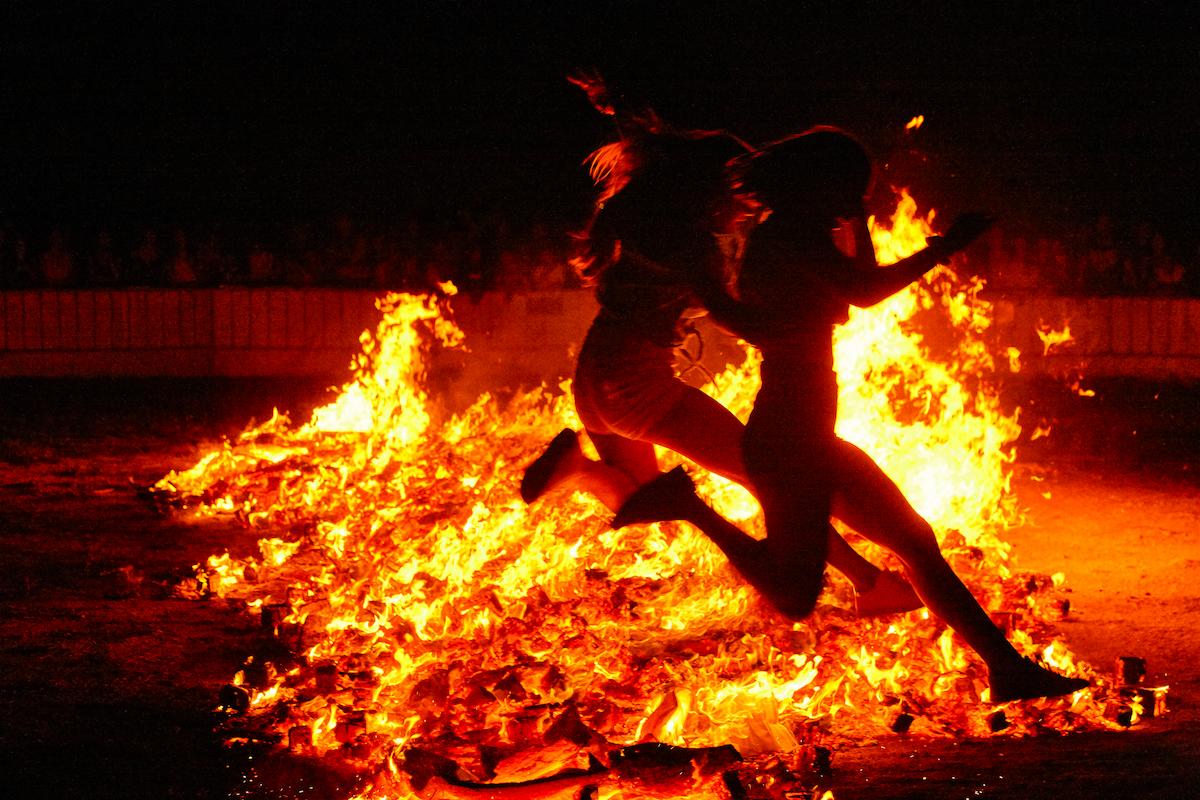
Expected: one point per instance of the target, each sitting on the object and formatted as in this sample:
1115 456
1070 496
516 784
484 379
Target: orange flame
429 600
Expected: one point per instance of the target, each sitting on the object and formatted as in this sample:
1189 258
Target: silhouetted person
58 262
1167 273
665 193
181 269
1101 259
795 286
104 268
146 261
24 274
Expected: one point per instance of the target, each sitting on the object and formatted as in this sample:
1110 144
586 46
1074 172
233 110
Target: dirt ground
107 682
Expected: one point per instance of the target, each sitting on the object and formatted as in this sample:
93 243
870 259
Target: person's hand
965 229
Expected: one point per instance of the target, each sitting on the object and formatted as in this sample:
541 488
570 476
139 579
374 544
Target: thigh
624 385
704 431
870 502
632 457
797 520
792 479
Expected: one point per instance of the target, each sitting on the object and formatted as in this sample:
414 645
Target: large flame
430 607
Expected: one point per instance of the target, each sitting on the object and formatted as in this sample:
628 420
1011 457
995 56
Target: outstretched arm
865 284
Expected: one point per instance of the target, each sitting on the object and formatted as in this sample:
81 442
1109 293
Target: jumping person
795 285
665 197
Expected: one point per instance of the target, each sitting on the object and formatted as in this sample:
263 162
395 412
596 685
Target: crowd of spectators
485 251
1099 258
477 252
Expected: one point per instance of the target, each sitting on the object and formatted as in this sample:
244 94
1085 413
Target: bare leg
870 502
704 431
795 498
635 459
624 465
873 505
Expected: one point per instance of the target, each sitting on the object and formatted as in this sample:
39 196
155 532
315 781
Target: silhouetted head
677 167
823 172
677 180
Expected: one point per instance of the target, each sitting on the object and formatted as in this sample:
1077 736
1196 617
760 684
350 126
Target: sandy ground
106 681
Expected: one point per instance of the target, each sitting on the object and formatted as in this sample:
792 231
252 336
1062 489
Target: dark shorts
624 384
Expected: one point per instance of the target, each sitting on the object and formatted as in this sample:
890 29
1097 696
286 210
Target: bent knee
795 605
919 545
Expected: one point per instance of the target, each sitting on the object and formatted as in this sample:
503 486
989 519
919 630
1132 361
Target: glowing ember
433 612
1054 339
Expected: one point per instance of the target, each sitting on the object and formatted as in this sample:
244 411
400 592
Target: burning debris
439 638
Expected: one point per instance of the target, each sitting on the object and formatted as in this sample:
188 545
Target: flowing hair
651 169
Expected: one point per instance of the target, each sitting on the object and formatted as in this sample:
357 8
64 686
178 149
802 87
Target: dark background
173 112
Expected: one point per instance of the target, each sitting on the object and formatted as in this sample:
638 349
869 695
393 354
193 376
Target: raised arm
750 321
864 284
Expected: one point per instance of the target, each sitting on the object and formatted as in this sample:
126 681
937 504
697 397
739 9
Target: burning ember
440 633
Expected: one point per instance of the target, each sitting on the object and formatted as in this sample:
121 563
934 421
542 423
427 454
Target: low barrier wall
236 332
1152 338
525 337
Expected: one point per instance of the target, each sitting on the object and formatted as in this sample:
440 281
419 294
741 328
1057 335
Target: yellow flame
451 610
1053 339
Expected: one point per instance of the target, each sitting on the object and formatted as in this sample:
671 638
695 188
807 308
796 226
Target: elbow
865 300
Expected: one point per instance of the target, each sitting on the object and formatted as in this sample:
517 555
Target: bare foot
661 499
891 594
552 467
1027 680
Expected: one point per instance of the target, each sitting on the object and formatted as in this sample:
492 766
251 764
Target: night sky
170 112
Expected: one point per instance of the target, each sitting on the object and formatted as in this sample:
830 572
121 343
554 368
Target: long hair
652 170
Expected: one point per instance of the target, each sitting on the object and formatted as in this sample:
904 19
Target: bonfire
441 639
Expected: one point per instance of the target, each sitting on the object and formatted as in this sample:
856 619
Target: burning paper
430 610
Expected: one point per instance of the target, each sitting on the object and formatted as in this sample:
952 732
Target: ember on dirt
435 620
1130 670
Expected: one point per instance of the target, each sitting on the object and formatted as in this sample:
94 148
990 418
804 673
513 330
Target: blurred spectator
146 266
1022 269
1011 264
212 264
299 265
1061 270
24 274
466 258
512 273
103 267
547 266
58 262
412 250
6 257
261 265
181 270
441 256
1168 273
348 253
385 252
1101 259
1137 273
